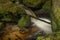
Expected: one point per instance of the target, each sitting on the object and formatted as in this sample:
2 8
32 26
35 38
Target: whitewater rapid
42 25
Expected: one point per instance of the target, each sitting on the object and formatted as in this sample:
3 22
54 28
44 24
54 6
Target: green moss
24 21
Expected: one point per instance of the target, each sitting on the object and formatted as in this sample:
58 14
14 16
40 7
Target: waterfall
42 25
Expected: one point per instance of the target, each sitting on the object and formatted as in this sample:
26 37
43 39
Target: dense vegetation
11 12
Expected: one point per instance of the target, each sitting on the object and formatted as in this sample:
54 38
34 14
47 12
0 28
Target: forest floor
12 33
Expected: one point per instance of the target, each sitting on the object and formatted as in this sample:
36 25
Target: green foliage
24 21
43 38
3 1
55 18
10 11
52 36
47 5
33 3
56 15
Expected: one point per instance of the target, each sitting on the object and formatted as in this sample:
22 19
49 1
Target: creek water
42 25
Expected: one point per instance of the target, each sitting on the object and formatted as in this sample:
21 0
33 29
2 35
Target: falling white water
42 25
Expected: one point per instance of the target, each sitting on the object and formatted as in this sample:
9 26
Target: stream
42 26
